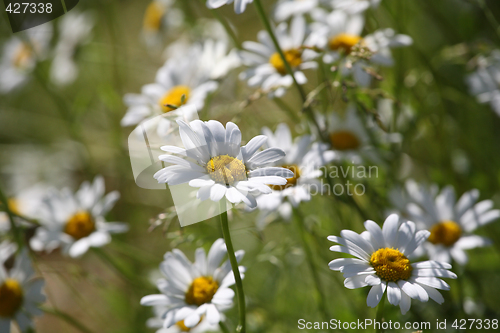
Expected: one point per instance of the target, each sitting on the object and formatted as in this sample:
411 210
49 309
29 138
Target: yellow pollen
11 298
344 140
293 57
289 181
152 16
80 225
445 233
174 97
22 56
391 265
201 291
226 170
13 206
343 42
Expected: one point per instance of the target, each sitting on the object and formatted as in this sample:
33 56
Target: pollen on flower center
11 298
343 42
226 170
174 97
289 181
391 265
80 225
22 56
344 140
445 233
201 290
293 57
152 16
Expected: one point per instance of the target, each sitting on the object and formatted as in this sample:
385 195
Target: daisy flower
181 81
288 8
485 82
76 222
160 15
267 69
304 158
214 161
197 291
20 295
74 31
451 222
354 6
239 5
382 263
20 56
179 327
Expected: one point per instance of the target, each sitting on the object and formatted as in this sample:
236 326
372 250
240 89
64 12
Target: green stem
285 107
234 266
380 314
13 225
310 260
223 327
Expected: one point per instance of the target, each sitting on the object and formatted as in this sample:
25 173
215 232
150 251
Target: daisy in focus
484 83
74 31
193 293
266 67
183 80
214 161
20 294
20 56
239 5
75 222
451 222
304 158
382 263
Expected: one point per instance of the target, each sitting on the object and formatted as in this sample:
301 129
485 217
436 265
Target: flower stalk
380 314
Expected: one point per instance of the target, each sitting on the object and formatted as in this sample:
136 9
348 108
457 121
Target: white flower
267 69
354 6
181 81
76 222
20 294
215 59
160 16
214 161
192 291
74 31
239 5
288 8
20 56
179 327
304 158
451 223
382 263
485 82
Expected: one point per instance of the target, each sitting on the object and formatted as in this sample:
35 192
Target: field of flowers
252 166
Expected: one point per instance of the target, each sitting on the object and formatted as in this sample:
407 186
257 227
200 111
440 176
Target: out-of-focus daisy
179 327
195 292
75 222
160 16
214 161
304 158
451 223
20 295
485 82
338 33
382 263
74 31
20 55
267 68
288 8
183 80
216 60
354 6
239 5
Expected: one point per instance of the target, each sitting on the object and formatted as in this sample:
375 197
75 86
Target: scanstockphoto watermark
362 324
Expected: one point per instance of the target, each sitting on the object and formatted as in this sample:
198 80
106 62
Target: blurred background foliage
67 135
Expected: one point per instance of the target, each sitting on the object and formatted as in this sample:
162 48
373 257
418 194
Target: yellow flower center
11 298
152 16
183 327
391 265
289 181
13 206
226 170
343 42
445 233
80 225
201 291
293 57
22 56
174 97
344 140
